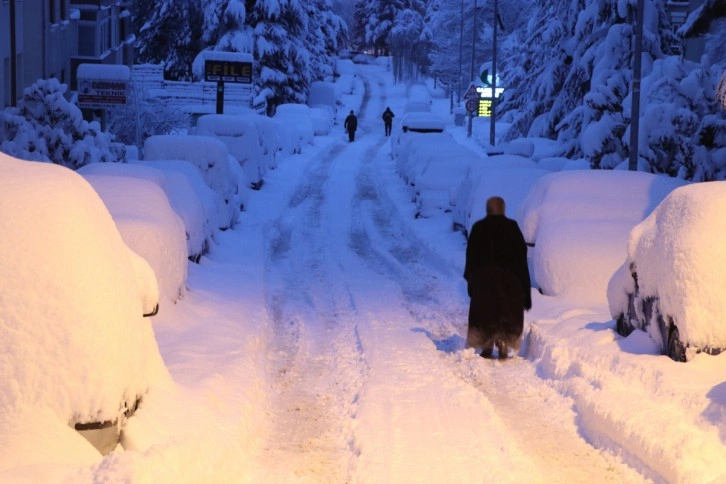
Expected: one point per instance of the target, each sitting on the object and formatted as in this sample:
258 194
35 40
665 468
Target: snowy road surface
369 383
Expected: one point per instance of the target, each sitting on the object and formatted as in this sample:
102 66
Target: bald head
495 206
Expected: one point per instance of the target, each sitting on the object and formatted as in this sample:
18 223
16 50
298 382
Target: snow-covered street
367 378
322 340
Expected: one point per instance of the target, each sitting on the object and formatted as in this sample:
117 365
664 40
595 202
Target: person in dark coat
350 125
498 282
388 120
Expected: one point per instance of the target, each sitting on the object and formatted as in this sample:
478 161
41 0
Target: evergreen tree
410 41
169 34
282 60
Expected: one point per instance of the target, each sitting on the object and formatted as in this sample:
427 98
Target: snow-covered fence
191 97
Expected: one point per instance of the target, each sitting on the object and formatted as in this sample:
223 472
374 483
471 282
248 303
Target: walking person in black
498 282
350 125
388 120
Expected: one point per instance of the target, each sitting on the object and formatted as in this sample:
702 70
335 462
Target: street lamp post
635 92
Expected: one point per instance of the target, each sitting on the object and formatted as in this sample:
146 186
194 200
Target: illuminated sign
228 71
486 92
485 107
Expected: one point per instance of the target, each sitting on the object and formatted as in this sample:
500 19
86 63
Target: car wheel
676 348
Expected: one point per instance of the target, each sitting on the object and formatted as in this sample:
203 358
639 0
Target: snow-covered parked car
179 191
507 176
413 149
671 283
272 139
211 157
185 177
322 117
149 226
77 350
422 122
579 222
240 135
321 94
297 117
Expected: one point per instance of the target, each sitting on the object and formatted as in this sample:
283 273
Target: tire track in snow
524 403
317 357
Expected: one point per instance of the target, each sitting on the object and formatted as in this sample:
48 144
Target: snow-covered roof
219 55
107 72
699 20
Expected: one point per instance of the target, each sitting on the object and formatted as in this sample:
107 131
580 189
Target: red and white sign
102 93
472 105
471 93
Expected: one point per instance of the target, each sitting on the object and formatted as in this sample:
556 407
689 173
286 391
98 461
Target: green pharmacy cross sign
486 78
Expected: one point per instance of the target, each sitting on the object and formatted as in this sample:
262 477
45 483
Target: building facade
40 39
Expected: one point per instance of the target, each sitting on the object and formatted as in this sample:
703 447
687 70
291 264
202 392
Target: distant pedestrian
388 120
498 282
350 125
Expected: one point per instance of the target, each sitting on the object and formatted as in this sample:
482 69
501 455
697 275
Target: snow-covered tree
576 70
682 130
169 34
410 42
326 32
47 127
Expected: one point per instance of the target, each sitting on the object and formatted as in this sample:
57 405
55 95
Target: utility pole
461 51
13 55
493 108
635 91
473 44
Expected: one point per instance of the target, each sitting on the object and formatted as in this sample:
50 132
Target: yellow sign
228 71
485 107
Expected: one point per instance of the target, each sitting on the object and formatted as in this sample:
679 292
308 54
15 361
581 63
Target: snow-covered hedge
47 127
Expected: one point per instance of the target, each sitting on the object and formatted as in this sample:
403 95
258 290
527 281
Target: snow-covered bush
154 117
47 127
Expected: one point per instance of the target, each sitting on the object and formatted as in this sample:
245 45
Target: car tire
676 348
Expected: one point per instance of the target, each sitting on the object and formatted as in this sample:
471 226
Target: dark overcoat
498 280
351 123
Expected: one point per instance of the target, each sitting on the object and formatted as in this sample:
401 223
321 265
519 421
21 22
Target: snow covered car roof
422 122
